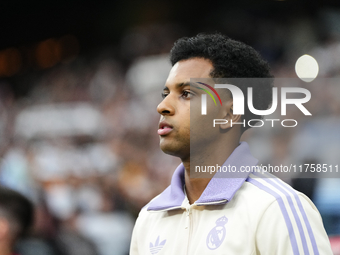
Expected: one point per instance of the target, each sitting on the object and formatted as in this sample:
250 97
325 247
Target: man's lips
164 128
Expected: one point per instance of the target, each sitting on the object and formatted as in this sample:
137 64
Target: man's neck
195 186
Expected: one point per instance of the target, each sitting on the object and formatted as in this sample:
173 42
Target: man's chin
172 149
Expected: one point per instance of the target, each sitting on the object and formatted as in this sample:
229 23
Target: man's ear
229 115
4 228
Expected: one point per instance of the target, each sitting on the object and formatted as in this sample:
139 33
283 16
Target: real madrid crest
217 234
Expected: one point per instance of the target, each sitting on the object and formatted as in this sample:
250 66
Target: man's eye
164 95
186 94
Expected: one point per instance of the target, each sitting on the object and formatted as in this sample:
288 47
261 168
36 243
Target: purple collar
220 190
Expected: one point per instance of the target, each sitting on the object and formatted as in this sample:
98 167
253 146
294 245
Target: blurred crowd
83 145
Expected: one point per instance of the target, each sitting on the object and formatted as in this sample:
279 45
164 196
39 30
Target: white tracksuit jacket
235 216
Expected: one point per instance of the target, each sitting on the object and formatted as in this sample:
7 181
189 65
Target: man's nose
166 107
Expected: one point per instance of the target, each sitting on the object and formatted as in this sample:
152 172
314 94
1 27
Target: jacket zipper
189 227
212 203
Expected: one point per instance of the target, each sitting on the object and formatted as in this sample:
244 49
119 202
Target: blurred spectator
335 244
305 182
109 230
16 217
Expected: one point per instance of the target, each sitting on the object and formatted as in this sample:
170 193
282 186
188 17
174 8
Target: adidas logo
155 248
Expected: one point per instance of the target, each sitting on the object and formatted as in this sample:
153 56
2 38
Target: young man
16 217
241 215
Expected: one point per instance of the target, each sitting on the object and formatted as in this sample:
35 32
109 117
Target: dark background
98 25
102 23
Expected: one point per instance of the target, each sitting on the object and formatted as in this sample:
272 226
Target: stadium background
79 86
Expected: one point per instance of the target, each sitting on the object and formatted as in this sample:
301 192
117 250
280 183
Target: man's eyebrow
178 85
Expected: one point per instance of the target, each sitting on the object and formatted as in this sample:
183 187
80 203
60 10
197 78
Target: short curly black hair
230 59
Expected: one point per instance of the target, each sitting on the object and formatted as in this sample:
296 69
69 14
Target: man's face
174 127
